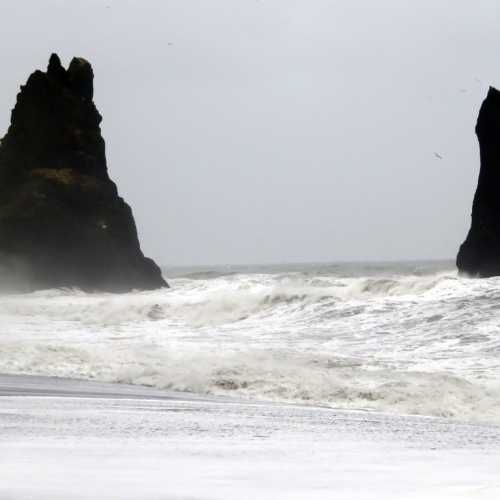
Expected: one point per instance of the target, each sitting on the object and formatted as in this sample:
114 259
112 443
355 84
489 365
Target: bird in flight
437 155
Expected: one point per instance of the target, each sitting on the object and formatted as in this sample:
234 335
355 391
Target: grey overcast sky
251 131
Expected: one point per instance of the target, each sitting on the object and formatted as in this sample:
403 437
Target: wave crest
217 301
310 380
378 342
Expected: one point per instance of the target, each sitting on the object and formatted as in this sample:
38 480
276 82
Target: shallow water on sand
82 440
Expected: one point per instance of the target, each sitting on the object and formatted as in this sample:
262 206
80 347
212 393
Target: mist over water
411 338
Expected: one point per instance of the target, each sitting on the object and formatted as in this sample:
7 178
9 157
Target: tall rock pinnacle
479 254
62 223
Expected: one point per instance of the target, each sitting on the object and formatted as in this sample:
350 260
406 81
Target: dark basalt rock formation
62 223
479 254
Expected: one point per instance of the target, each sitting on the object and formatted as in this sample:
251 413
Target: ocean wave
219 301
422 344
309 380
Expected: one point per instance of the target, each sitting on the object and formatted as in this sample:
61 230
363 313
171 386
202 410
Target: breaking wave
226 300
314 380
412 343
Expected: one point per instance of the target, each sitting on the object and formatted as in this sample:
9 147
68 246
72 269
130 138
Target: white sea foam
409 343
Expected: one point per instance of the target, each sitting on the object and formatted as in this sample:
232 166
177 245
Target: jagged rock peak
62 222
54 65
81 77
479 254
55 122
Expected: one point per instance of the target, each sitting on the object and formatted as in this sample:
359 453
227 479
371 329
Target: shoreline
81 440
49 386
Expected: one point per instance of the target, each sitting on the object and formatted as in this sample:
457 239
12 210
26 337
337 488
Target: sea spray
393 339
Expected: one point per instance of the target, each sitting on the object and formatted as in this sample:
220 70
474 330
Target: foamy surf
408 341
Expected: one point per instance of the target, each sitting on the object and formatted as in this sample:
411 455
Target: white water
56 447
396 339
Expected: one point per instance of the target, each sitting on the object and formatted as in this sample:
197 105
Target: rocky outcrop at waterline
62 222
479 254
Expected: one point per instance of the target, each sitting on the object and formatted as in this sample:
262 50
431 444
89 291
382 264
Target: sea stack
479 254
62 222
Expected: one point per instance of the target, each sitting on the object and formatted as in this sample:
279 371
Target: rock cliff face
62 223
479 254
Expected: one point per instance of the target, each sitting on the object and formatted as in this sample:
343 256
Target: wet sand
62 439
